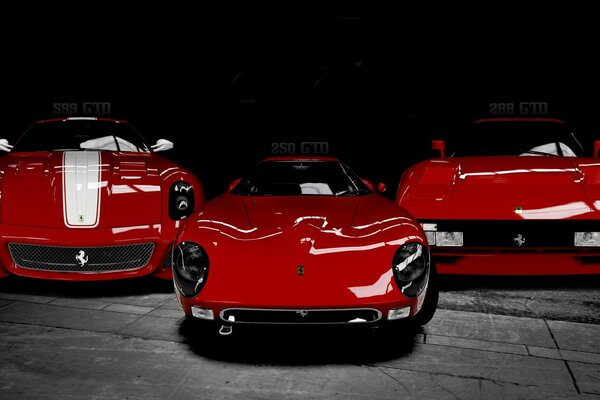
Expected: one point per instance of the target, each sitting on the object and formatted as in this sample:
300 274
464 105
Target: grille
502 234
81 259
301 316
168 259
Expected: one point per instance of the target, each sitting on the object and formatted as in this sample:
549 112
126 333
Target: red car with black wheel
303 241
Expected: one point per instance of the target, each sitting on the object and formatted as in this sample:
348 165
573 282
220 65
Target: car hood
287 211
502 188
80 189
292 251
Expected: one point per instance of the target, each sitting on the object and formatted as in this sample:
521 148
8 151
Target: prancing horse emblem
81 258
302 313
519 240
300 270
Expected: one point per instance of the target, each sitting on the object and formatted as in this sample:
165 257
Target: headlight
190 267
429 230
442 238
454 239
181 200
411 268
587 239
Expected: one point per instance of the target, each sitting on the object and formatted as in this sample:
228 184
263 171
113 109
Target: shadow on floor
86 290
299 345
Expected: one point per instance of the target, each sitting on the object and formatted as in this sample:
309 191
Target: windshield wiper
541 153
352 192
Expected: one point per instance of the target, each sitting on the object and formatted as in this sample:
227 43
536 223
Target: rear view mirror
162 145
368 184
439 145
233 184
4 146
596 148
381 187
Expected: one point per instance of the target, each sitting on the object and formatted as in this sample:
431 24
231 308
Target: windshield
301 178
518 138
81 135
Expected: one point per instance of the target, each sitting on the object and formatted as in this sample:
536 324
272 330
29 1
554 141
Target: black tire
432 296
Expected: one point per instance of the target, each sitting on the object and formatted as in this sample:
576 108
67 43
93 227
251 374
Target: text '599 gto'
303 241
516 197
88 199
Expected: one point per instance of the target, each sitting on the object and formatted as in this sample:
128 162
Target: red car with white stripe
89 199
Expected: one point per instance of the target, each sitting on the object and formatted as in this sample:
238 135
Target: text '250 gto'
516 197
303 241
88 199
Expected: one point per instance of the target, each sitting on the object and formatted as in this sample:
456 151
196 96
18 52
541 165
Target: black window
526 138
84 134
301 178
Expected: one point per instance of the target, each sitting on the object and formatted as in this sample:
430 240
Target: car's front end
512 247
304 275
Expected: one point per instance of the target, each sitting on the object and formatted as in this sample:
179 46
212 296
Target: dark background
226 84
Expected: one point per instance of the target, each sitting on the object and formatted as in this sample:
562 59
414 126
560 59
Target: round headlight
190 271
409 262
410 267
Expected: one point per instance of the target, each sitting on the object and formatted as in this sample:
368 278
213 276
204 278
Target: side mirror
162 145
4 146
233 184
596 148
368 183
381 187
439 145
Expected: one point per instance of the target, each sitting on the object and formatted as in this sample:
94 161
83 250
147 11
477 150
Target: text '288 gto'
303 241
88 199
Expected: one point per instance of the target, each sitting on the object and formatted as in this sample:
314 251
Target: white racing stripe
81 188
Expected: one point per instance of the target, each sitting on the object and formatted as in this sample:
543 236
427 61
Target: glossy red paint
512 192
134 194
256 244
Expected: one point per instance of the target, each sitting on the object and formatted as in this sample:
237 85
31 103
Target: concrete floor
127 340
563 298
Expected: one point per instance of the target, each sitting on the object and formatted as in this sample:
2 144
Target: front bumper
542 261
372 313
63 240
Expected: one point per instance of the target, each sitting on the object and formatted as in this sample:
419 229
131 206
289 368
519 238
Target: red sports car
514 198
88 199
303 241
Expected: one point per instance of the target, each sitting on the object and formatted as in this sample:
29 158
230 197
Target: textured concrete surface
564 298
129 341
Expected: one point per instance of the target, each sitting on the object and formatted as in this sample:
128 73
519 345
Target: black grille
505 234
300 316
81 259
168 259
